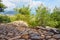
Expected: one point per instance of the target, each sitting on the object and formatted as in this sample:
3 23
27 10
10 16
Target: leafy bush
12 18
4 19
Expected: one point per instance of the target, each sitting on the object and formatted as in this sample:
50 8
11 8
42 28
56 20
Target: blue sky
33 3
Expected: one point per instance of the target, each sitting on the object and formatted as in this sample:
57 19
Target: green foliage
32 21
12 18
20 17
2 6
43 17
4 19
24 10
56 16
52 23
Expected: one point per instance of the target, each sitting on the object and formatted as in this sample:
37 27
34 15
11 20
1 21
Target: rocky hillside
13 32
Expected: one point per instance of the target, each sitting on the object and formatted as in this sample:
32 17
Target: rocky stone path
23 33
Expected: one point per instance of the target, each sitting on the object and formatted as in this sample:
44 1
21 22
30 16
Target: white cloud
25 0
8 4
35 3
13 3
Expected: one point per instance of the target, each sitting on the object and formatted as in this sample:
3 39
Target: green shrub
12 18
4 19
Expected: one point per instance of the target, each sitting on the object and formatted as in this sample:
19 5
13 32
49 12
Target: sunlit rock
19 23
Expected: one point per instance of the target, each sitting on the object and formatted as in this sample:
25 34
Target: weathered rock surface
19 23
9 32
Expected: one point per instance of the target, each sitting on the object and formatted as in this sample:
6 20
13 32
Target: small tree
56 16
42 15
23 13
